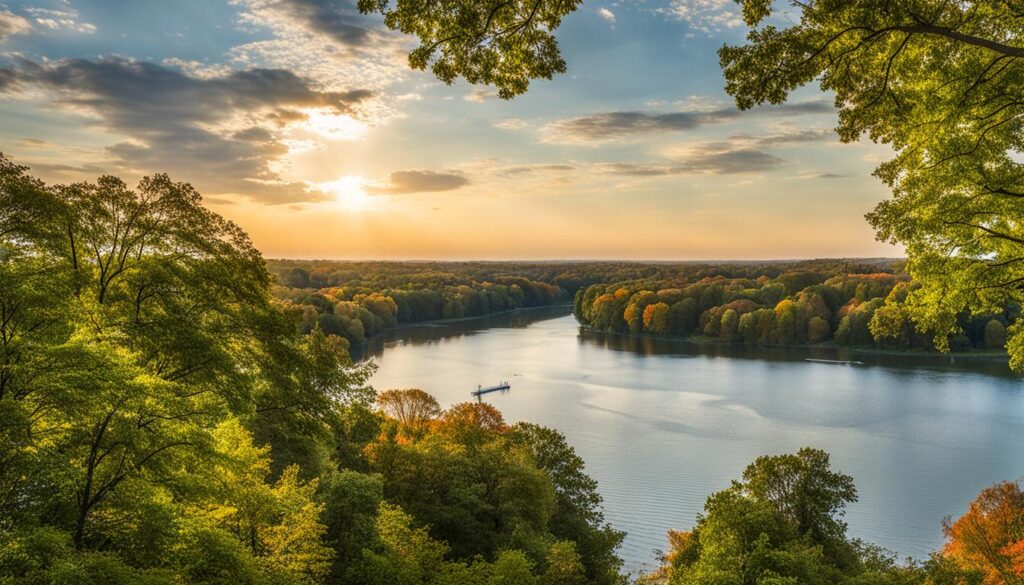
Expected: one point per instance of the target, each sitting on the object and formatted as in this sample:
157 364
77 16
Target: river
662 424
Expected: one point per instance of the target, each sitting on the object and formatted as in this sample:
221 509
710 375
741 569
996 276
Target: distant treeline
850 304
357 300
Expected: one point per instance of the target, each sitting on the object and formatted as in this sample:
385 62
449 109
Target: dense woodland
356 300
861 306
858 303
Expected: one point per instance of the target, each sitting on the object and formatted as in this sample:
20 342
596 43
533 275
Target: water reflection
438 333
650 346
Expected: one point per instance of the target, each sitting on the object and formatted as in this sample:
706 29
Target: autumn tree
412 407
990 536
656 318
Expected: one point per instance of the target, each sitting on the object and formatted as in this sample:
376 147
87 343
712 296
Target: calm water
662 424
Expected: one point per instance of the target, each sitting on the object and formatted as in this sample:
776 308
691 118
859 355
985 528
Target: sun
348 193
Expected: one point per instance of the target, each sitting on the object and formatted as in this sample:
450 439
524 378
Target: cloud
60 20
418 181
711 159
511 124
479 96
517 170
606 14
823 175
339 20
12 24
740 153
606 126
706 16
221 132
328 41
610 125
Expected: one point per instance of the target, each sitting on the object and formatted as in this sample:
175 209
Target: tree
656 318
495 42
805 491
578 516
890 322
729 326
564 566
683 316
818 330
941 84
990 536
995 334
780 525
412 407
279 523
140 352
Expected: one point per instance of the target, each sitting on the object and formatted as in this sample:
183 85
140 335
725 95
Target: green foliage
939 83
164 421
780 525
496 42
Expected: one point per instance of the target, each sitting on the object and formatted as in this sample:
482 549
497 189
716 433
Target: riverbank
413 332
442 322
701 340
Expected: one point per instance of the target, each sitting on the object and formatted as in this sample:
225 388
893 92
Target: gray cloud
606 126
822 175
724 162
533 169
173 118
610 125
421 182
797 136
338 19
741 153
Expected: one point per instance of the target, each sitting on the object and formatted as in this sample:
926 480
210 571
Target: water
662 424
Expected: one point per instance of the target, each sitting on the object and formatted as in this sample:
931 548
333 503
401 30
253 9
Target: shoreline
442 322
700 340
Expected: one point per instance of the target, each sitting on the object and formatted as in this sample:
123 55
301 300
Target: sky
301 121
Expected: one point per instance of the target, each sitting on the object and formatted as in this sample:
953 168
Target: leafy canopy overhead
504 43
942 83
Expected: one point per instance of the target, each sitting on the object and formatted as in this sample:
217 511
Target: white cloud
60 20
606 14
12 24
510 124
478 96
706 16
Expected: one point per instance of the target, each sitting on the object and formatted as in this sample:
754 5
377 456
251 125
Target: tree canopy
940 83
163 419
504 43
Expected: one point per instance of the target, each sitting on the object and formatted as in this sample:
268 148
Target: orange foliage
990 536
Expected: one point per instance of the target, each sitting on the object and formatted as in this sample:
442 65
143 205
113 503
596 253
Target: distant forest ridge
810 301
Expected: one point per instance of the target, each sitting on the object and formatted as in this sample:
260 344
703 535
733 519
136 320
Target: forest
856 303
818 303
357 300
